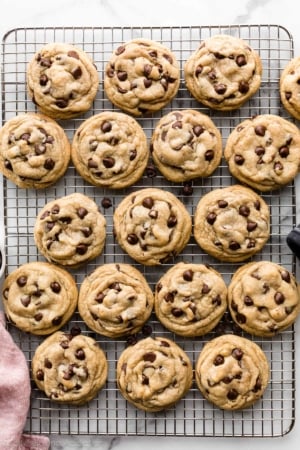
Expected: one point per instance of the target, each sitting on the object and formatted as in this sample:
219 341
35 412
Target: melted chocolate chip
241 60
237 353
172 221
220 88
285 275
55 287
244 87
40 375
209 155
248 300
239 160
61 103
150 356
284 151
80 354
108 162
49 164
57 320
240 318
43 80
177 312
120 50
132 155
77 73
279 298
122 75
132 239
232 394
48 363
81 249
106 126
188 275
260 130
38 317
219 360
82 212
25 300
148 202
73 54
233 245
210 218
244 210
22 280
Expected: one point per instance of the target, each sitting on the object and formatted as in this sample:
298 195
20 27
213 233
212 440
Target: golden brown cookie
39 297
232 372
62 80
223 73
154 374
34 151
69 368
263 298
264 152
232 223
142 76
110 150
70 230
115 300
290 87
185 145
190 299
152 225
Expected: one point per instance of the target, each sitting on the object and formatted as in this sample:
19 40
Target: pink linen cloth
15 397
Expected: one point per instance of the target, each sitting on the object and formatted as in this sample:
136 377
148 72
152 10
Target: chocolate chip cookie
290 87
154 374
39 297
186 145
115 300
223 73
62 80
69 368
232 372
232 223
152 226
190 299
264 298
264 152
34 151
70 230
141 77
110 150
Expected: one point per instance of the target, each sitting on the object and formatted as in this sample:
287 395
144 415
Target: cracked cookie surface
110 150
223 72
39 297
186 145
62 80
141 77
289 87
232 223
190 299
264 152
115 300
263 298
232 372
154 374
69 368
70 230
152 226
34 151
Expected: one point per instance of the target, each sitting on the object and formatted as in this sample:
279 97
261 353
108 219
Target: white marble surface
20 13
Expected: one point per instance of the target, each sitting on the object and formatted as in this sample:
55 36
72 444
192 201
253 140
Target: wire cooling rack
109 413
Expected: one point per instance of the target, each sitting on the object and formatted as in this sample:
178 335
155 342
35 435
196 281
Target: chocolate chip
40 375
244 210
48 363
239 160
92 164
169 297
148 202
288 95
122 75
222 204
260 130
8 165
25 300
212 75
22 280
177 124
164 344
278 167
132 155
285 275
108 162
284 151
205 289
240 318
258 385
219 360
77 73
260 150
279 298
172 221
61 103
145 380
75 330
151 171
188 275
38 317
86 231
80 354
43 80
241 60
81 249
237 353
210 218
49 164
82 212
45 62
198 70
40 149
197 130
57 320
106 202
132 239
25 137
150 356
244 87
73 54
232 394
177 312
220 88
233 245
248 300
106 126
55 287
251 226
187 188
120 50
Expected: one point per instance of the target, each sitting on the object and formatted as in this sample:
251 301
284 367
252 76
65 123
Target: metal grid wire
109 413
